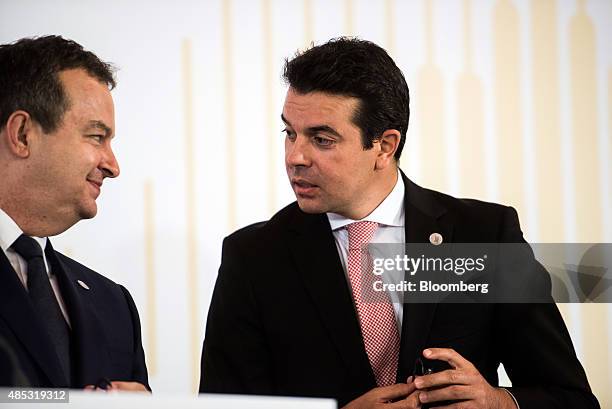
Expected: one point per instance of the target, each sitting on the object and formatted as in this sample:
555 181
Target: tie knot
27 247
360 233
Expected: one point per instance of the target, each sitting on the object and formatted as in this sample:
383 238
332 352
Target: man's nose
109 164
297 152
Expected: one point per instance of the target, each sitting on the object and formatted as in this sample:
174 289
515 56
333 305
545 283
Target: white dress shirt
391 221
9 232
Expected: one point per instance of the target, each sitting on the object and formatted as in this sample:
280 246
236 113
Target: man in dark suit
66 325
287 315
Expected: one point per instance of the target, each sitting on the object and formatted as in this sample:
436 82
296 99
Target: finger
128 386
453 392
449 355
402 404
411 402
444 378
397 391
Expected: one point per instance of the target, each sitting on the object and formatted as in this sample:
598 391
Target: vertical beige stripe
349 13
390 26
191 222
583 71
230 117
596 350
471 119
547 120
271 120
150 281
430 107
508 116
309 35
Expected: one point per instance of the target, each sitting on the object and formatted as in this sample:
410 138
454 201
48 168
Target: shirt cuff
512 396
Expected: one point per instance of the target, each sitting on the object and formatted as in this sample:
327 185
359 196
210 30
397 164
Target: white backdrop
511 102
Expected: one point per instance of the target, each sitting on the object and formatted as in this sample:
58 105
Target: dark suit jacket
282 320
10 374
105 335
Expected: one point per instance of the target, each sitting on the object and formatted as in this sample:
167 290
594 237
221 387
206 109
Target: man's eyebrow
316 129
323 128
100 125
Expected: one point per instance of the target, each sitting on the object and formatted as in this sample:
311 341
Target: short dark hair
29 77
356 68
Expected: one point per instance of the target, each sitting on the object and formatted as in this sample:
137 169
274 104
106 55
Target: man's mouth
96 184
302 187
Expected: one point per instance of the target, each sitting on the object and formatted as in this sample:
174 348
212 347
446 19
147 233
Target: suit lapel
423 216
316 258
18 312
90 355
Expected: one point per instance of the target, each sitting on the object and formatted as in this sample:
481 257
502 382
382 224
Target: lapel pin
435 239
82 284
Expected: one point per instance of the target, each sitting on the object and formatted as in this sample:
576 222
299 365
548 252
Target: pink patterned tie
376 317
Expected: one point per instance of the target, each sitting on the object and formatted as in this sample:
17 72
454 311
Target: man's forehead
90 102
318 106
78 83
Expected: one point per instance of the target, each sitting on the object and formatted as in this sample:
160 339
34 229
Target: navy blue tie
43 298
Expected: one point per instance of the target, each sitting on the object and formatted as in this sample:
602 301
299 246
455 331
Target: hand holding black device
423 367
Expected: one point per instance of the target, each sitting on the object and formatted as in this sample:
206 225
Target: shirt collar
9 232
389 213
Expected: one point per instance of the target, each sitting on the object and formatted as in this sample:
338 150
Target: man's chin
310 206
88 212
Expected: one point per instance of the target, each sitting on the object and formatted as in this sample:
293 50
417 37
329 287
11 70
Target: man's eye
97 138
290 134
323 141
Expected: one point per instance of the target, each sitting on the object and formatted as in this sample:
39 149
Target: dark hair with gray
29 77
361 69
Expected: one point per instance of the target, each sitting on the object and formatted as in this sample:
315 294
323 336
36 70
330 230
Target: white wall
200 147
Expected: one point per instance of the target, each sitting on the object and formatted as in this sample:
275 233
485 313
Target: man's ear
18 133
389 142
